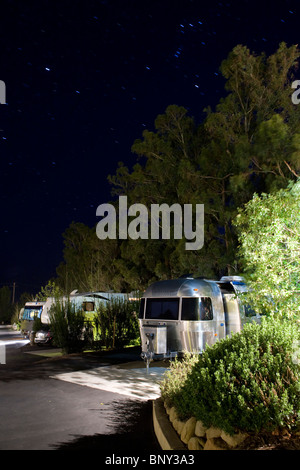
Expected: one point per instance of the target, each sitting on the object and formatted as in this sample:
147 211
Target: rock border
166 435
174 434
197 437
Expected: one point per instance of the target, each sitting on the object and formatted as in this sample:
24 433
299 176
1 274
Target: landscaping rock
178 425
200 429
173 414
234 440
212 432
195 435
188 430
195 443
215 444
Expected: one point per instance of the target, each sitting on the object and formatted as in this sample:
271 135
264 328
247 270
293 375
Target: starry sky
83 79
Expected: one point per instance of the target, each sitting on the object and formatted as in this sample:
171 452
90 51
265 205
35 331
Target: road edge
166 435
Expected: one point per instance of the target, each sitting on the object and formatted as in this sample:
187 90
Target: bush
249 382
37 325
69 328
173 380
117 323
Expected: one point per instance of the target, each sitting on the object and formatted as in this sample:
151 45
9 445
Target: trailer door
232 314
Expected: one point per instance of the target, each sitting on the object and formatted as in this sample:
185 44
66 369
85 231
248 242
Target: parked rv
88 302
30 311
186 314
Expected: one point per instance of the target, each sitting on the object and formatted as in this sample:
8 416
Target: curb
166 435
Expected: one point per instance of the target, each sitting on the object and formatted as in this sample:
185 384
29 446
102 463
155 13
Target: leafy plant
176 376
49 290
37 325
250 143
248 382
117 323
269 236
69 327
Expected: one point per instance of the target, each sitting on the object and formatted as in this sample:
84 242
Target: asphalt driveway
40 412
52 414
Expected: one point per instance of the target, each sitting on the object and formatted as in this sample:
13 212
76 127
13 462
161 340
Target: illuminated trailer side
186 314
181 315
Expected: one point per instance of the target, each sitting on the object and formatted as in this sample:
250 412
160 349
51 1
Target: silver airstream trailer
185 314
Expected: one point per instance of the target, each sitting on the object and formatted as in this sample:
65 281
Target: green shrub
248 382
37 325
176 376
117 323
69 328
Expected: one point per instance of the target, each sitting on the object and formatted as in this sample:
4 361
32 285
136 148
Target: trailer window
88 306
162 309
195 309
142 307
30 313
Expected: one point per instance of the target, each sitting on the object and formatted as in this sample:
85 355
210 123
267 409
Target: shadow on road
22 365
132 431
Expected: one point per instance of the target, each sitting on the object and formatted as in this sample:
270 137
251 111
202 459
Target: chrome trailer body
186 314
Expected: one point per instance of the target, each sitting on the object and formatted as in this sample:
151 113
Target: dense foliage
117 323
113 325
248 382
269 236
69 328
249 144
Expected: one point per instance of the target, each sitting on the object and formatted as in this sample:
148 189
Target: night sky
83 80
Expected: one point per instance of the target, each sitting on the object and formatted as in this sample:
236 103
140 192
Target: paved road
65 403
